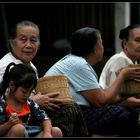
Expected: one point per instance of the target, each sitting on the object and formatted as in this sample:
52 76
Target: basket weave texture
55 83
130 86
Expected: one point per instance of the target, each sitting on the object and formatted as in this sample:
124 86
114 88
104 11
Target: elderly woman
103 116
24 43
130 54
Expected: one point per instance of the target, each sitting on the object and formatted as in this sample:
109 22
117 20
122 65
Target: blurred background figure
61 47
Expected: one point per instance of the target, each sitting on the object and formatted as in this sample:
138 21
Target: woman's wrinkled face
132 45
26 43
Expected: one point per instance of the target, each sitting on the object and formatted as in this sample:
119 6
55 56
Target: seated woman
101 112
24 43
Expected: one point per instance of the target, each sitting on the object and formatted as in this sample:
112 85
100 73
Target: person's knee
17 130
56 132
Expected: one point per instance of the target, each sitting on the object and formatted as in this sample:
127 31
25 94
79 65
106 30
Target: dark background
58 20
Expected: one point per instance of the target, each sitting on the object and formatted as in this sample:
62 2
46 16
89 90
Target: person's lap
69 119
112 119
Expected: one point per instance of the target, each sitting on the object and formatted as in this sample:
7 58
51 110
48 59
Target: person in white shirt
130 54
24 44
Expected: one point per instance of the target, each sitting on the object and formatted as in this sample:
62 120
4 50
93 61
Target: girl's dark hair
22 75
83 40
124 33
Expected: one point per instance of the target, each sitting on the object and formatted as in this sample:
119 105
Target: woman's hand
48 101
131 73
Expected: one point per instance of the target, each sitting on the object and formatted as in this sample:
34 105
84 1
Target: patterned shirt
30 114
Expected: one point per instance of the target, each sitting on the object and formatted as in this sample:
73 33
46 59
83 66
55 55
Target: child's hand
13 119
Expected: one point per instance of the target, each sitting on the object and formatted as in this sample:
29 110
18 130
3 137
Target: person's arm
39 116
99 97
47 128
5 127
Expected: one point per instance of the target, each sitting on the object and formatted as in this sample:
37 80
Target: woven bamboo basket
55 83
130 87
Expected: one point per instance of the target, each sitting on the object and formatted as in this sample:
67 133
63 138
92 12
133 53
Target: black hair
22 75
124 33
83 40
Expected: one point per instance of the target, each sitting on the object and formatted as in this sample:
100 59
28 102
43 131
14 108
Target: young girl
19 115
